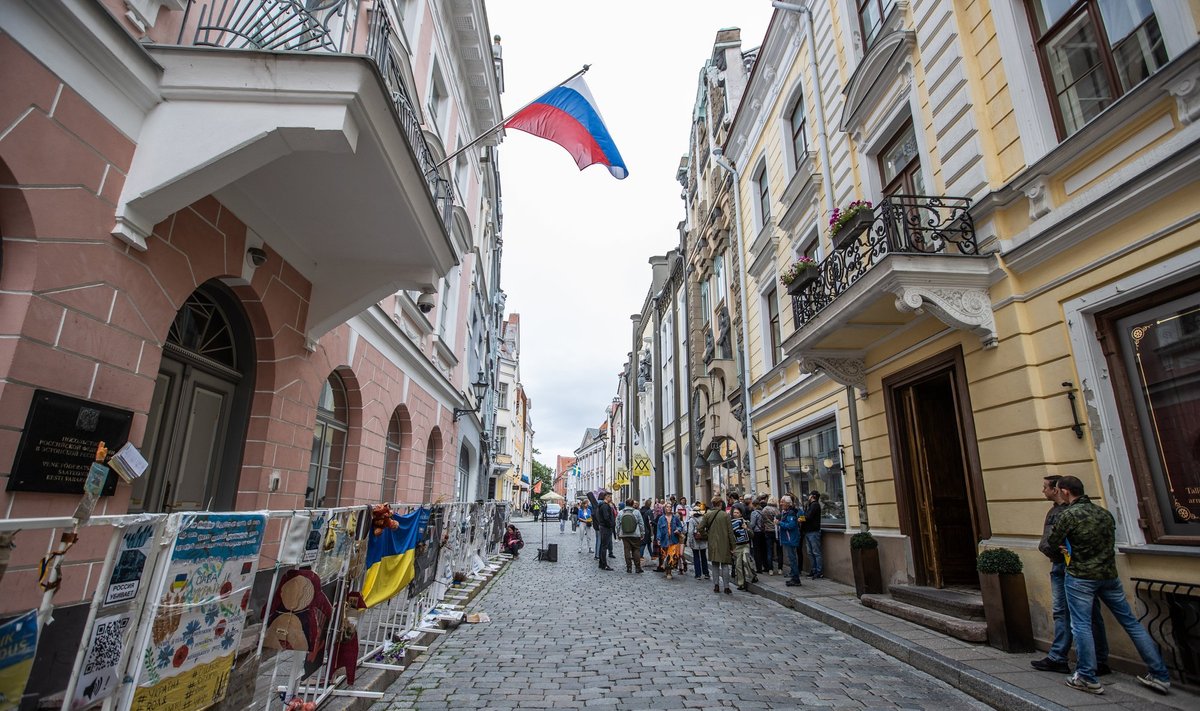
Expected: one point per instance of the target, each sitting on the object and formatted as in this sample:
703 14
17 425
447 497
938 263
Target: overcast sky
576 244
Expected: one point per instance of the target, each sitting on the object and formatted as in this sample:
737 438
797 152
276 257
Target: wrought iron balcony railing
901 224
331 26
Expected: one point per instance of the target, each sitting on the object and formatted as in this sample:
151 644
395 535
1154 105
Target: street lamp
480 387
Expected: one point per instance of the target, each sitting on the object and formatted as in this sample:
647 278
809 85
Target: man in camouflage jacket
1086 535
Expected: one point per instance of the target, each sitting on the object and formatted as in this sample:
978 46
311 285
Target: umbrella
552 496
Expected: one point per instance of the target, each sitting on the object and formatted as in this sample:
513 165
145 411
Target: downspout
656 428
680 489
822 136
718 157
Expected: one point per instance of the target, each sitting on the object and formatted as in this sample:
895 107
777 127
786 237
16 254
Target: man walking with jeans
605 521
1056 658
1085 533
811 531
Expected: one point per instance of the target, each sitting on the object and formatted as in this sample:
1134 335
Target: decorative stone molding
1038 193
848 370
1186 90
964 308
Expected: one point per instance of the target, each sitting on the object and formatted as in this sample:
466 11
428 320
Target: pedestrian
758 537
656 512
743 569
735 502
605 522
719 533
1086 534
670 540
789 537
631 530
585 528
536 509
562 519
697 544
1056 658
512 541
648 519
770 514
574 517
810 530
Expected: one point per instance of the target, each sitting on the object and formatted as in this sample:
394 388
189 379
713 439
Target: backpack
629 523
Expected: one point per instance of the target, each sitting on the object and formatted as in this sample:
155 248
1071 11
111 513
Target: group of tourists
729 542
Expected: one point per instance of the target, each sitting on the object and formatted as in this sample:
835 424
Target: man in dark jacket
605 523
810 531
1086 535
1056 659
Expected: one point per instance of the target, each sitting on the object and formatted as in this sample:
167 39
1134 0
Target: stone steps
963 604
967 630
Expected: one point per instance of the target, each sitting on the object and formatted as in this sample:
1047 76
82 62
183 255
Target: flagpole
505 120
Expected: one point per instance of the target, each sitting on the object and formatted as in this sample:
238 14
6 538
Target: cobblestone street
566 635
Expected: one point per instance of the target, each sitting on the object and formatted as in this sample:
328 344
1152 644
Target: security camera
426 302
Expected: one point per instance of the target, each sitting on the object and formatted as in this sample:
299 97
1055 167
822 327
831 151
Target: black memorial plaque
58 444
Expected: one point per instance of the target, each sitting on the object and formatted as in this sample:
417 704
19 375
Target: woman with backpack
718 531
698 546
743 569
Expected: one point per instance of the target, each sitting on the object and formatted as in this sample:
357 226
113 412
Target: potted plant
1005 601
864 557
799 274
846 225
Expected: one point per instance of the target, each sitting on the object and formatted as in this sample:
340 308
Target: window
433 452
764 196
501 440
1154 356
1093 51
705 306
811 461
900 164
719 276
439 98
502 396
799 134
871 14
393 447
328 446
776 344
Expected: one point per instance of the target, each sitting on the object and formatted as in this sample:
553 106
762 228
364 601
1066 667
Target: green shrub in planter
863 541
999 560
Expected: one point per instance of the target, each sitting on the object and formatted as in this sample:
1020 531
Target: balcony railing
329 26
901 224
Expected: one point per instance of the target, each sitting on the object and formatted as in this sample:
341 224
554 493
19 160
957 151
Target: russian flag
567 115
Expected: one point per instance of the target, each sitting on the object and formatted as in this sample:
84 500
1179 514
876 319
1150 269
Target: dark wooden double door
938 485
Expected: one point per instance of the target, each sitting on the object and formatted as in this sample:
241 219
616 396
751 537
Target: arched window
433 452
393 447
328 446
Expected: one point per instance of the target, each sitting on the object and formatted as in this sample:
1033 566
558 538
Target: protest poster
130 565
99 678
200 612
18 642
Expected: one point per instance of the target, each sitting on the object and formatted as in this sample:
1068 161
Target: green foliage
863 541
544 474
999 560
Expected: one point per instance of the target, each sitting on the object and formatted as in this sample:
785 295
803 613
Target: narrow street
566 635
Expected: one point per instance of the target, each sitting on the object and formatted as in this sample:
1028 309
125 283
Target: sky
577 244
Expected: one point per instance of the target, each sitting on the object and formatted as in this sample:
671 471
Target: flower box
797 285
855 225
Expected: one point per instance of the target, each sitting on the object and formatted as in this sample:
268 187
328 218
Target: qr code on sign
107 639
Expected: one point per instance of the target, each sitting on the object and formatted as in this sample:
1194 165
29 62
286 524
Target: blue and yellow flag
391 555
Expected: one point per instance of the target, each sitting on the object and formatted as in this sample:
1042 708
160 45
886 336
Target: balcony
297 117
915 254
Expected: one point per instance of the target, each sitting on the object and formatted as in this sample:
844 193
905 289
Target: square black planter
852 228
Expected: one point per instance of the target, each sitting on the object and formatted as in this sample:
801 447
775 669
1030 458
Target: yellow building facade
1020 300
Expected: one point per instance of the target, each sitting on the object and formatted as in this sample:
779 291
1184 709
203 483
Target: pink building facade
250 255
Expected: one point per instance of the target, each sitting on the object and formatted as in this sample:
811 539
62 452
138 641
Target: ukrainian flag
391 557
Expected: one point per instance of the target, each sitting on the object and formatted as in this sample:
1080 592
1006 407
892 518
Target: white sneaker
1077 682
1162 686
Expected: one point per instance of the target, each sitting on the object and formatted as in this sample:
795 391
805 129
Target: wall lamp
480 388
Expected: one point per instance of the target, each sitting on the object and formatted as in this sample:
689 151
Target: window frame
807 430
1092 9
327 421
799 149
884 7
901 183
774 326
762 189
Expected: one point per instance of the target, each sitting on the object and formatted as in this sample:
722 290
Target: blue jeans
812 540
1061 647
1081 595
793 556
700 561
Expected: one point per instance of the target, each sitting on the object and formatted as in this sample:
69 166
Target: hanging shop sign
58 444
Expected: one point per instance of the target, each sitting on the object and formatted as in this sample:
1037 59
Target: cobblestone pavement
566 635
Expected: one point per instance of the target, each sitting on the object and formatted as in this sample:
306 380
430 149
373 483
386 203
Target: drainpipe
718 156
822 136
